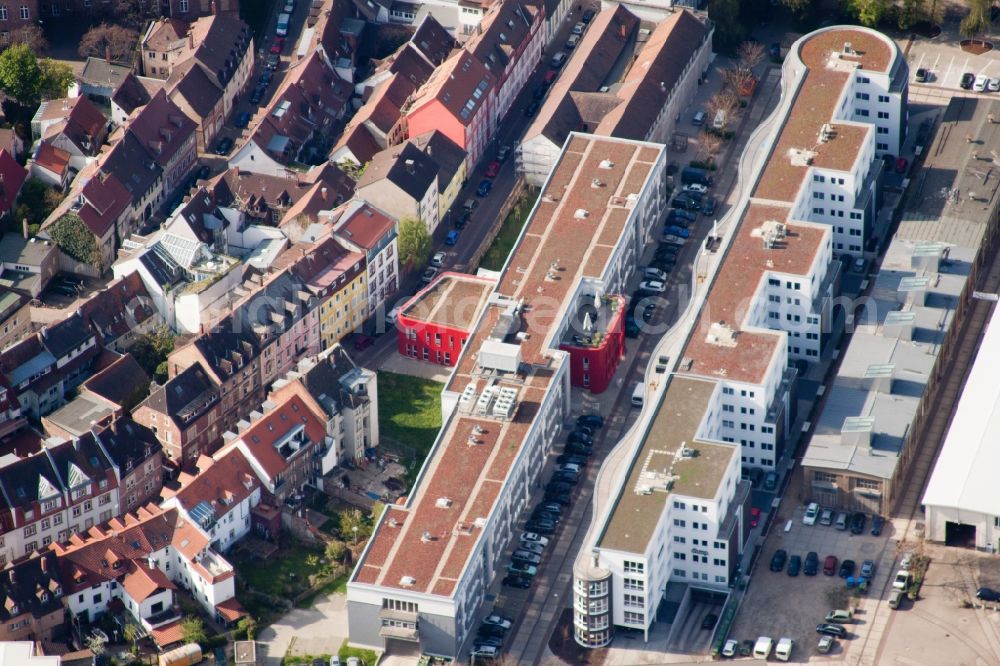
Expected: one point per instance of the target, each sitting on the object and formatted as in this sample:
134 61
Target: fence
494 230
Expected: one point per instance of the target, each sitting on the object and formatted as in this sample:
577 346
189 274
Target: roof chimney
191 39
44 564
409 166
24 228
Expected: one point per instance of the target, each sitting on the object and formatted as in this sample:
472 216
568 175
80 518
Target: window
634 584
883 114
868 484
861 96
881 146
635 600
30 530
634 567
861 112
884 99
818 195
863 79
680 556
882 130
825 476
635 618
25 14
183 6
677 505
818 179
679 523
3 13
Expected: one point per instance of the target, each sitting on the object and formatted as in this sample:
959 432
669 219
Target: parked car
811 564
578 28
695 187
877 523
484 188
257 95
492 169
709 621
841 521
858 523
588 16
868 569
224 145
242 120
571 42
497 620
438 259
531 537
831 630
987 594
590 420
521 568
683 214
902 580
730 648
846 568
754 516
486 652
363 342
652 286
429 275
524 557
771 481
839 616
812 510
981 82
452 237
778 559
535 548
674 239
577 437
921 76
541 526
830 565
825 644
709 207
794 565
674 230
486 641
557 61
520 582
698 119
502 153
906 562
967 80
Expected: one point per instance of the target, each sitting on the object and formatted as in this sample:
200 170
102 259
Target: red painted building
434 325
596 348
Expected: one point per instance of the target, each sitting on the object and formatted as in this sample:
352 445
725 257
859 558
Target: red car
754 516
830 565
901 164
276 48
492 169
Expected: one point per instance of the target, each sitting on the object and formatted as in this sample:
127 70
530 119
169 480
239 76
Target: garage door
959 535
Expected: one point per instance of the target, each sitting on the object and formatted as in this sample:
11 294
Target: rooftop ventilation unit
485 399
597 183
581 214
443 503
721 334
606 164
801 157
899 324
407 581
826 133
857 431
848 49
426 537
770 232
468 396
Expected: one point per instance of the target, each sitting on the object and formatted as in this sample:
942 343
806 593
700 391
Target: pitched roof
361 223
135 91
116 310
433 40
131 163
31 585
79 120
98 72
105 199
359 140
184 397
143 581
447 154
193 86
129 444
54 159
164 33
12 177
461 85
501 31
221 482
119 380
267 440
161 128
406 166
221 41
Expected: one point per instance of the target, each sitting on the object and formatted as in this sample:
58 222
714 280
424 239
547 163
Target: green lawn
284 574
409 410
501 246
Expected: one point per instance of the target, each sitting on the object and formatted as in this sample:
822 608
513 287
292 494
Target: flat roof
964 475
828 71
425 545
934 223
454 300
749 355
639 506
81 414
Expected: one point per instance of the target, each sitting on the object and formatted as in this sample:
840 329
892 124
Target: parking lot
779 605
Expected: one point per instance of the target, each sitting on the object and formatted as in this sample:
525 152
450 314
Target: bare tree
725 101
32 36
109 41
737 79
750 54
709 145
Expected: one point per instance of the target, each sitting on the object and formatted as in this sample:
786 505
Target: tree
868 12
193 630
353 169
20 74
978 19
151 350
96 644
709 145
335 551
414 242
35 202
750 55
131 633
32 36
725 101
248 626
729 31
106 40
75 239
56 78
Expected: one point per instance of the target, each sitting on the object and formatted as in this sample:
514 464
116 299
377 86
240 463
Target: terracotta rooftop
731 294
454 300
362 224
815 104
425 545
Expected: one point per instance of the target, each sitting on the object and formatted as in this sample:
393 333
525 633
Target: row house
137 457
139 560
457 100
181 10
347 397
219 498
133 92
272 199
120 312
299 124
284 443
403 181
169 135
12 177
184 415
366 229
45 366
122 383
66 488
509 44
164 44
15 316
213 70
336 279
31 600
451 163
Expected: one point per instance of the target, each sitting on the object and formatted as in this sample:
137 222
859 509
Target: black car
539 514
224 146
566 477
794 565
563 499
580 438
681 222
580 449
921 75
590 420
858 523
877 523
987 594
588 16
539 92
709 621
551 507
490 630
487 641
811 564
555 486
831 630
203 172
687 202
532 108
257 95
967 80
846 568
778 559
709 207
520 582
632 329
543 527
571 458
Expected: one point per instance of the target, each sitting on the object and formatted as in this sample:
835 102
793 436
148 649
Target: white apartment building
422 577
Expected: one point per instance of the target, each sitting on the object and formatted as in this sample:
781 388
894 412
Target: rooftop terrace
454 300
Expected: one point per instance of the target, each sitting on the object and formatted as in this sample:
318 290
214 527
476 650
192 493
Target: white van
720 119
638 393
282 29
784 649
762 648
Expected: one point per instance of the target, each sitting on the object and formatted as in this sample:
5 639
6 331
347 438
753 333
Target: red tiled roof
54 159
142 581
361 223
161 127
230 610
12 177
168 634
261 438
453 85
221 482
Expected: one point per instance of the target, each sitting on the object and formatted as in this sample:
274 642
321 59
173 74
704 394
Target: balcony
214 563
397 615
404 633
163 617
590 323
